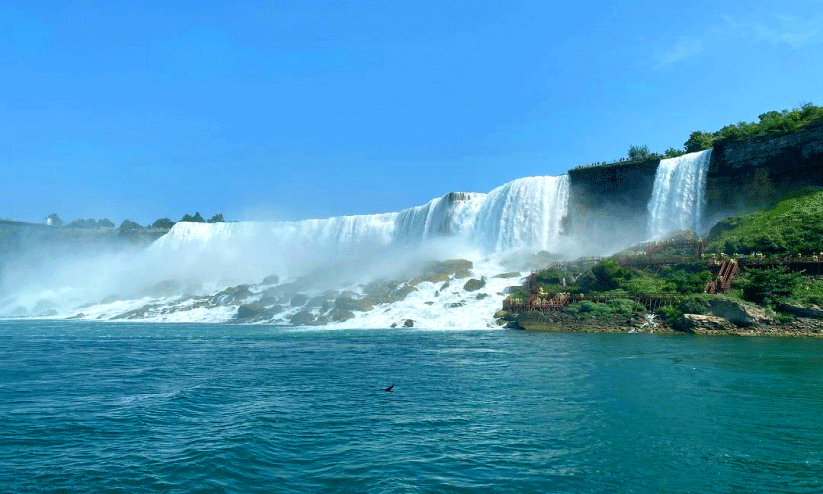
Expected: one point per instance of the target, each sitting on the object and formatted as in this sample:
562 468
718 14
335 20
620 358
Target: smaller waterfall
678 196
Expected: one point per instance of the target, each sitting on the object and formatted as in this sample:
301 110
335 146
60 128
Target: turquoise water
101 407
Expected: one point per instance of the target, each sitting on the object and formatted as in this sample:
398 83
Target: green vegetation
792 226
617 307
637 153
770 123
770 287
163 223
91 223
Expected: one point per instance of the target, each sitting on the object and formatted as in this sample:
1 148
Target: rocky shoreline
698 324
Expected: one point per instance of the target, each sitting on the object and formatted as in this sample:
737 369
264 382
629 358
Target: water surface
93 407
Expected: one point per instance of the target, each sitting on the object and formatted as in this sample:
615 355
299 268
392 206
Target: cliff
608 204
746 175
602 197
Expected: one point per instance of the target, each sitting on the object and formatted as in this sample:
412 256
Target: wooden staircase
721 284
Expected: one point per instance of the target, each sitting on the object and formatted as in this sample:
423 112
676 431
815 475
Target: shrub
770 286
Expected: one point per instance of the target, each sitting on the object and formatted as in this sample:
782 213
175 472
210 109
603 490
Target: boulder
408 323
340 315
232 295
252 311
695 322
298 300
302 318
474 284
456 305
737 312
481 296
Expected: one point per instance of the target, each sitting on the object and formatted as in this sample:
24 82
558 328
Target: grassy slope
793 225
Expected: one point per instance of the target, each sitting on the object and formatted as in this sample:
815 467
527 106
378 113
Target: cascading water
524 213
678 195
184 275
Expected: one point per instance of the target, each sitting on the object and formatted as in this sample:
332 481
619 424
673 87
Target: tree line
161 223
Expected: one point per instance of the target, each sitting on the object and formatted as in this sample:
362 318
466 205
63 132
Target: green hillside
793 225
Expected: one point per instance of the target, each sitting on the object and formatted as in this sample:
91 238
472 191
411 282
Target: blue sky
312 109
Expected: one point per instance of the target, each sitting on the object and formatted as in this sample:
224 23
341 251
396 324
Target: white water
678 196
339 253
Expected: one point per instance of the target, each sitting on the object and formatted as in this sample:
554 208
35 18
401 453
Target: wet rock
474 284
232 295
443 286
340 315
393 325
302 318
408 323
271 279
79 315
19 311
513 274
110 299
349 303
137 313
253 311
456 305
512 289
298 300
481 296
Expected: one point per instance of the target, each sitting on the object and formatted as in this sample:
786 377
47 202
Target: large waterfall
523 214
207 272
678 196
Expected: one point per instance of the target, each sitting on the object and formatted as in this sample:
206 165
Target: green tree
163 223
186 218
197 218
128 225
217 218
673 153
698 141
770 286
639 153
105 223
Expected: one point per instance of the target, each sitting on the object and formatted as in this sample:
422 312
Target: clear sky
310 109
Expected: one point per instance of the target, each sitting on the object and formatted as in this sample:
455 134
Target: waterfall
524 213
678 196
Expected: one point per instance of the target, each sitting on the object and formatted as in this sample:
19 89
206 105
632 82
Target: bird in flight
389 389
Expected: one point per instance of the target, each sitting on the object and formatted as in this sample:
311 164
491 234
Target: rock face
697 323
746 174
409 323
736 312
600 196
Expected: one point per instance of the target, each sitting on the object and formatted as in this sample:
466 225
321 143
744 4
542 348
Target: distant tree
217 218
85 224
128 225
639 152
54 220
698 141
105 223
186 218
673 153
197 218
163 223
